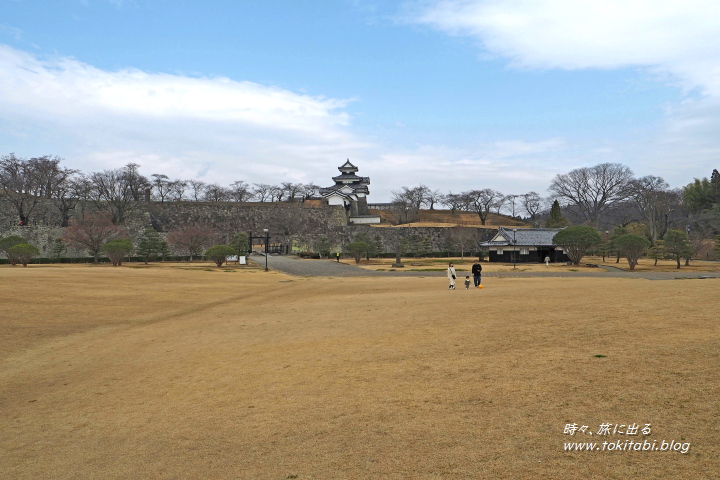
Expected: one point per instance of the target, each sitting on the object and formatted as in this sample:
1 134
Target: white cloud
508 166
681 39
220 130
217 126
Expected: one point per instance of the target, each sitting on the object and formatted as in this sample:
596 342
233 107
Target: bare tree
192 239
117 191
239 191
291 190
92 232
466 199
531 202
433 197
198 189
277 192
452 200
135 182
484 201
595 189
310 190
161 186
216 193
26 181
405 204
177 190
261 191
67 194
655 201
512 203
464 238
501 204
416 196
57 183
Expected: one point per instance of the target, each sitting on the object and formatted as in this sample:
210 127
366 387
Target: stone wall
437 237
286 222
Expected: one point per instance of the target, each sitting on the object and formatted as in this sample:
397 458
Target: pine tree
657 251
151 246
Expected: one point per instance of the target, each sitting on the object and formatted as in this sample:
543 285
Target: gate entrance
265 244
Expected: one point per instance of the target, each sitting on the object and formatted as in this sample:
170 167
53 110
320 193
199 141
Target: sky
452 94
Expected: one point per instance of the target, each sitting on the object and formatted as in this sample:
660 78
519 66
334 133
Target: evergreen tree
58 249
657 251
151 246
576 241
715 186
632 247
240 243
677 244
323 247
371 249
556 219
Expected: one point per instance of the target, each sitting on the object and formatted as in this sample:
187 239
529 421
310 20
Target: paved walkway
293 265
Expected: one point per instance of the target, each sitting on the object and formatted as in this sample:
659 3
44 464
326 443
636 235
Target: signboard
231 258
242 260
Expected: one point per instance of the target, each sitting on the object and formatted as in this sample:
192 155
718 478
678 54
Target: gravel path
297 266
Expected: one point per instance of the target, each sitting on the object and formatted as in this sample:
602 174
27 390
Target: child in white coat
451 276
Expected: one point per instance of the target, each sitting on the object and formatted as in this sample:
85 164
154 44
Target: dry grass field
465 264
462 265
196 372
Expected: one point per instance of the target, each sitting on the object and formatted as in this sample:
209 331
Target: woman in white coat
451 276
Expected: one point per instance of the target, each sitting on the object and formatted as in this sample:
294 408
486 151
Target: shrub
22 253
575 241
219 254
631 247
357 250
116 250
10 241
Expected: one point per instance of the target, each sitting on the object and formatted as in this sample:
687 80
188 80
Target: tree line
27 182
607 197
603 196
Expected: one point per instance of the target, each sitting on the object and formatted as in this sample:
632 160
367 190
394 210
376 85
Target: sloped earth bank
187 372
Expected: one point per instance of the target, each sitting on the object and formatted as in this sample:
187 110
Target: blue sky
455 94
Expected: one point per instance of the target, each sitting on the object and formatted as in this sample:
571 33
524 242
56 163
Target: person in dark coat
477 273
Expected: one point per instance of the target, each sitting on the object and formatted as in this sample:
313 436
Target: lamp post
514 247
267 240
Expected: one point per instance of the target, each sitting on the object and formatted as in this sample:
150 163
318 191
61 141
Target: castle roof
347 167
347 183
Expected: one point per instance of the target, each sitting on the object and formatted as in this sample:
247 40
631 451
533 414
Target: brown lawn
648 265
166 372
463 265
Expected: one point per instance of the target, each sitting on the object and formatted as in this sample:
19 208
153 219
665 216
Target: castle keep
350 191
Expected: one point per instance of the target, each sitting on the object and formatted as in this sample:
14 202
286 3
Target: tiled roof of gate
527 237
